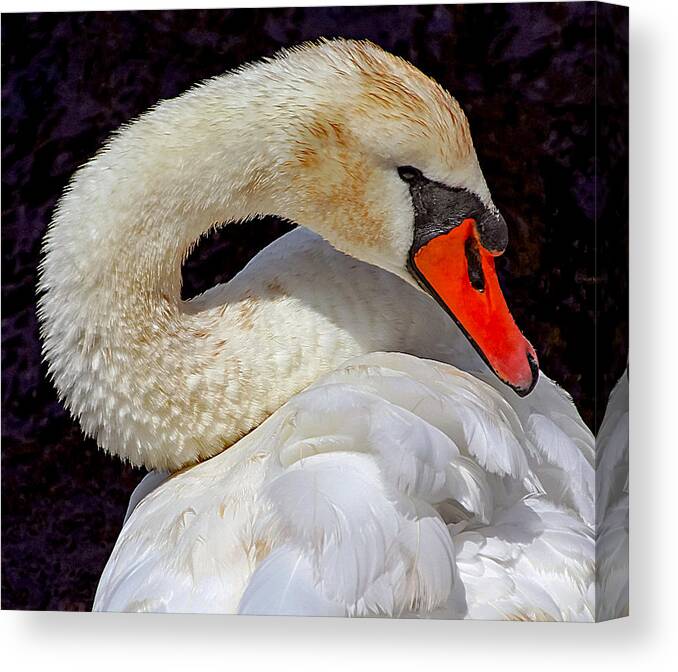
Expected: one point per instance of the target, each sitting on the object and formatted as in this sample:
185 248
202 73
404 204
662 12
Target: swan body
612 506
394 485
376 462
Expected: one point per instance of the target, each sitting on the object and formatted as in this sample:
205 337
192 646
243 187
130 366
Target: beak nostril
474 264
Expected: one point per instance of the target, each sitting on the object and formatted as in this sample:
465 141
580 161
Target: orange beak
459 272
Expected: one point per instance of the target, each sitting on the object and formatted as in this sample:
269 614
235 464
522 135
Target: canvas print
317 312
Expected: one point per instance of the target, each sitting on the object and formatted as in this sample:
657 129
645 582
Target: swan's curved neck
137 365
166 383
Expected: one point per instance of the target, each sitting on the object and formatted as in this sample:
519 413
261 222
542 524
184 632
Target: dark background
524 74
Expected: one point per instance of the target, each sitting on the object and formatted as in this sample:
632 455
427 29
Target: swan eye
409 173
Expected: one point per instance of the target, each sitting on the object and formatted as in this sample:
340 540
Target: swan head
382 164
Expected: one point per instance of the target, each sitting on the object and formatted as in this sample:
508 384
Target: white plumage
394 486
612 506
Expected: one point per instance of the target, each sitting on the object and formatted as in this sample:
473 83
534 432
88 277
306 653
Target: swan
354 425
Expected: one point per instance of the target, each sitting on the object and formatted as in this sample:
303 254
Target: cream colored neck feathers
314 136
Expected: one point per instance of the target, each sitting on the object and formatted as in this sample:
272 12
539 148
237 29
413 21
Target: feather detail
612 506
425 504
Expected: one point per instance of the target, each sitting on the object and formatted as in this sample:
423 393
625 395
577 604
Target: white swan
396 484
